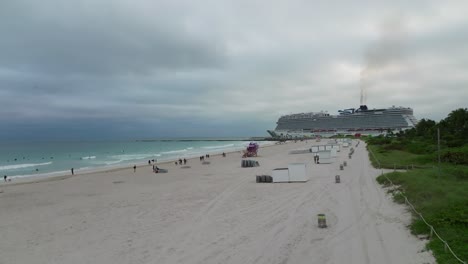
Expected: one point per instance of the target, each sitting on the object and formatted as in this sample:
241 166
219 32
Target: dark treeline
422 139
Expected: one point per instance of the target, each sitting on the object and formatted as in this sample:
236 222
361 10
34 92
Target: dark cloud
79 40
159 68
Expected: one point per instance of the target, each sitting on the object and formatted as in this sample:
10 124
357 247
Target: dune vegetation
438 190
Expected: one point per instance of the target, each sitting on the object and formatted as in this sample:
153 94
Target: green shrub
455 155
458 172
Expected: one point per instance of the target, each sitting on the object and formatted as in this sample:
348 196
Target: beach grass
399 159
439 194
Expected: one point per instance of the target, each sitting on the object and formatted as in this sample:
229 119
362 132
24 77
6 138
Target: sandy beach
213 213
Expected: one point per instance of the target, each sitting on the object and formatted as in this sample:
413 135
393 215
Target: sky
114 69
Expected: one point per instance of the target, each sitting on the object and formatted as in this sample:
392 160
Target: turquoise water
42 158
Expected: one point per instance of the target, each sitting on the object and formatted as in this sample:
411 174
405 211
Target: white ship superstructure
348 122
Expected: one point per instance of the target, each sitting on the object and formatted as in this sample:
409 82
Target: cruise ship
350 121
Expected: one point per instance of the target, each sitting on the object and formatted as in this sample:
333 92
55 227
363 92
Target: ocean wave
88 157
125 157
25 165
174 151
110 162
48 174
218 147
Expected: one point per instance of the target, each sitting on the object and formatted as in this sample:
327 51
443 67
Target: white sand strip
212 213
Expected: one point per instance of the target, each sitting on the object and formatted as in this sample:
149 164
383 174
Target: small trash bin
322 221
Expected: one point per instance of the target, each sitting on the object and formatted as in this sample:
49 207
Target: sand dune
213 213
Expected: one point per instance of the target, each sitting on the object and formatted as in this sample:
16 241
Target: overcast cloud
149 68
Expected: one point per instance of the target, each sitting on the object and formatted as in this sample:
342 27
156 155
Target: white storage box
295 172
280 175
298 172
315 149
336 147
325 157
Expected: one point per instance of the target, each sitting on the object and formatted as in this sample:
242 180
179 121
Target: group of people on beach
180 162
156 169
202 158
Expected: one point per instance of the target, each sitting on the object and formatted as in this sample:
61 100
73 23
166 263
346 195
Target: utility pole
438 147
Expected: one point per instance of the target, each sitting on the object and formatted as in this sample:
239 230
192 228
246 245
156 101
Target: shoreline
62 175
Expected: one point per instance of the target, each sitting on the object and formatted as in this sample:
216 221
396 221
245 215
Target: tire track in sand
171 250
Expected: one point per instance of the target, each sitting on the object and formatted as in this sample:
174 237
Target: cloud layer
115 69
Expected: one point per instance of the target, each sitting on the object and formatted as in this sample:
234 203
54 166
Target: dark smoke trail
386 50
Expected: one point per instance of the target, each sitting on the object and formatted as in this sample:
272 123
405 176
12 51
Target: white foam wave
174 151
190 148
111 162
25 165
88 157
218 147
131 157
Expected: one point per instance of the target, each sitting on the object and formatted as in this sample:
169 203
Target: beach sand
213 213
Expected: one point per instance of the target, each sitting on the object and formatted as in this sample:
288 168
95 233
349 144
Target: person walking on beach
134 168
73 173
5 178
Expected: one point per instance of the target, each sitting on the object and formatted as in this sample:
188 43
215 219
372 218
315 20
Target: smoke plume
387 49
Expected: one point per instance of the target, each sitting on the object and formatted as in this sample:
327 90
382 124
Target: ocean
29 159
